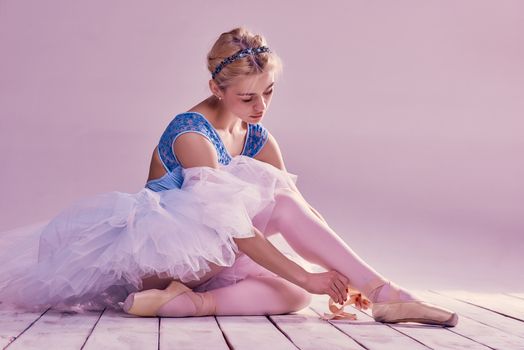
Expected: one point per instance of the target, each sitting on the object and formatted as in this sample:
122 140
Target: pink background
402 120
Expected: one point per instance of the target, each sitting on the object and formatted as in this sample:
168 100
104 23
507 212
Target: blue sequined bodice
256 138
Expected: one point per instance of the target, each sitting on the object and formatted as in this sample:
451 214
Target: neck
223 119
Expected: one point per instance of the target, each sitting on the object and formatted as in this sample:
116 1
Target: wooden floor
487 321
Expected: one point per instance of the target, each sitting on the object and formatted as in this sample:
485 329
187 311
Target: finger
338 285
336 295
344 279
346 288
341 289
332 294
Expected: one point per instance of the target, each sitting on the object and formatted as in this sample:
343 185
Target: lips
257 116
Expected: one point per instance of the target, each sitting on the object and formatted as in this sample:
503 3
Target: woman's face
249 97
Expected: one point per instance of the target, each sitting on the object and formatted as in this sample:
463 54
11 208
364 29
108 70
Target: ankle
391 292
208 304
180 306
373 295
189 304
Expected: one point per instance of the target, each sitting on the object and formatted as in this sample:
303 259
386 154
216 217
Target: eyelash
265 93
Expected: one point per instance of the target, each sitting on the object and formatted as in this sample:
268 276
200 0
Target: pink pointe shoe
397 310
154 302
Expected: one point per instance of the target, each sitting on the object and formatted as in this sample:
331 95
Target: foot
189 303
413 311
176 300
393 304
390 291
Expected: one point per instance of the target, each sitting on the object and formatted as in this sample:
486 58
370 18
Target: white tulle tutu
97 250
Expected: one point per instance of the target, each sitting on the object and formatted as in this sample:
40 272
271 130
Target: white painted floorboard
486 321
484 324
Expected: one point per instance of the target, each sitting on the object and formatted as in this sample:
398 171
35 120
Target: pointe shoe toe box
128 303
148 302
413 311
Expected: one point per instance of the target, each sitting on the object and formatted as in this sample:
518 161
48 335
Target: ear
215 90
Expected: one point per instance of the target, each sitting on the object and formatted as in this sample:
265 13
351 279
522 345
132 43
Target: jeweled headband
240 54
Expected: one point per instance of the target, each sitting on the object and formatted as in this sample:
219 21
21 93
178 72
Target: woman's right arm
264 253
194 150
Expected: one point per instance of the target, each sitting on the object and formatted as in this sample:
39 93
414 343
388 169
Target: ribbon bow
338 313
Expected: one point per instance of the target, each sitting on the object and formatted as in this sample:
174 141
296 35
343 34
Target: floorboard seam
281 330
92 329
229 345
482 307
158 334
340 330
407 335
476 341
513 296
25 329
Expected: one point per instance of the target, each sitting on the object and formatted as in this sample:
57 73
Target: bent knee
294 297
286 195
287 203
302 299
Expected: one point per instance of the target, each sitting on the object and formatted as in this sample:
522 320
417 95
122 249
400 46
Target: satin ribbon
337 313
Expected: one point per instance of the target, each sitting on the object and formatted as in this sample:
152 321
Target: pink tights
313 240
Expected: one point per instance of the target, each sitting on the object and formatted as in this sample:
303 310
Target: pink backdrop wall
403 120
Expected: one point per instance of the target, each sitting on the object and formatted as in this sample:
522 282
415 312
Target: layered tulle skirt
97 250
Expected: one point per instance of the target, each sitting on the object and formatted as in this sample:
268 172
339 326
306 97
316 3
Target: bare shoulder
193 149
271 153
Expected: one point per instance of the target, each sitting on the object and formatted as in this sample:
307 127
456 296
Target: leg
316 242
260 293
254 295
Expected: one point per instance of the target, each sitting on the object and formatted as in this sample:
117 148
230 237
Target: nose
260 105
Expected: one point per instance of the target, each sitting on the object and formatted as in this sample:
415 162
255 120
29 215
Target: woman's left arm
271 154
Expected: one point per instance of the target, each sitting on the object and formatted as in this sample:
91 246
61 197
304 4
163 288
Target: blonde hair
231 42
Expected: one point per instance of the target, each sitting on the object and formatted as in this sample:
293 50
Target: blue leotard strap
257 140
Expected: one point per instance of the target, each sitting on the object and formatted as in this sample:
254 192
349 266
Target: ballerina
193 241
243 71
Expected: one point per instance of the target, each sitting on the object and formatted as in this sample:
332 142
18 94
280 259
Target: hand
331 283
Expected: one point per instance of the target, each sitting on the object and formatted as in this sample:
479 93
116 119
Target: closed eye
265 93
